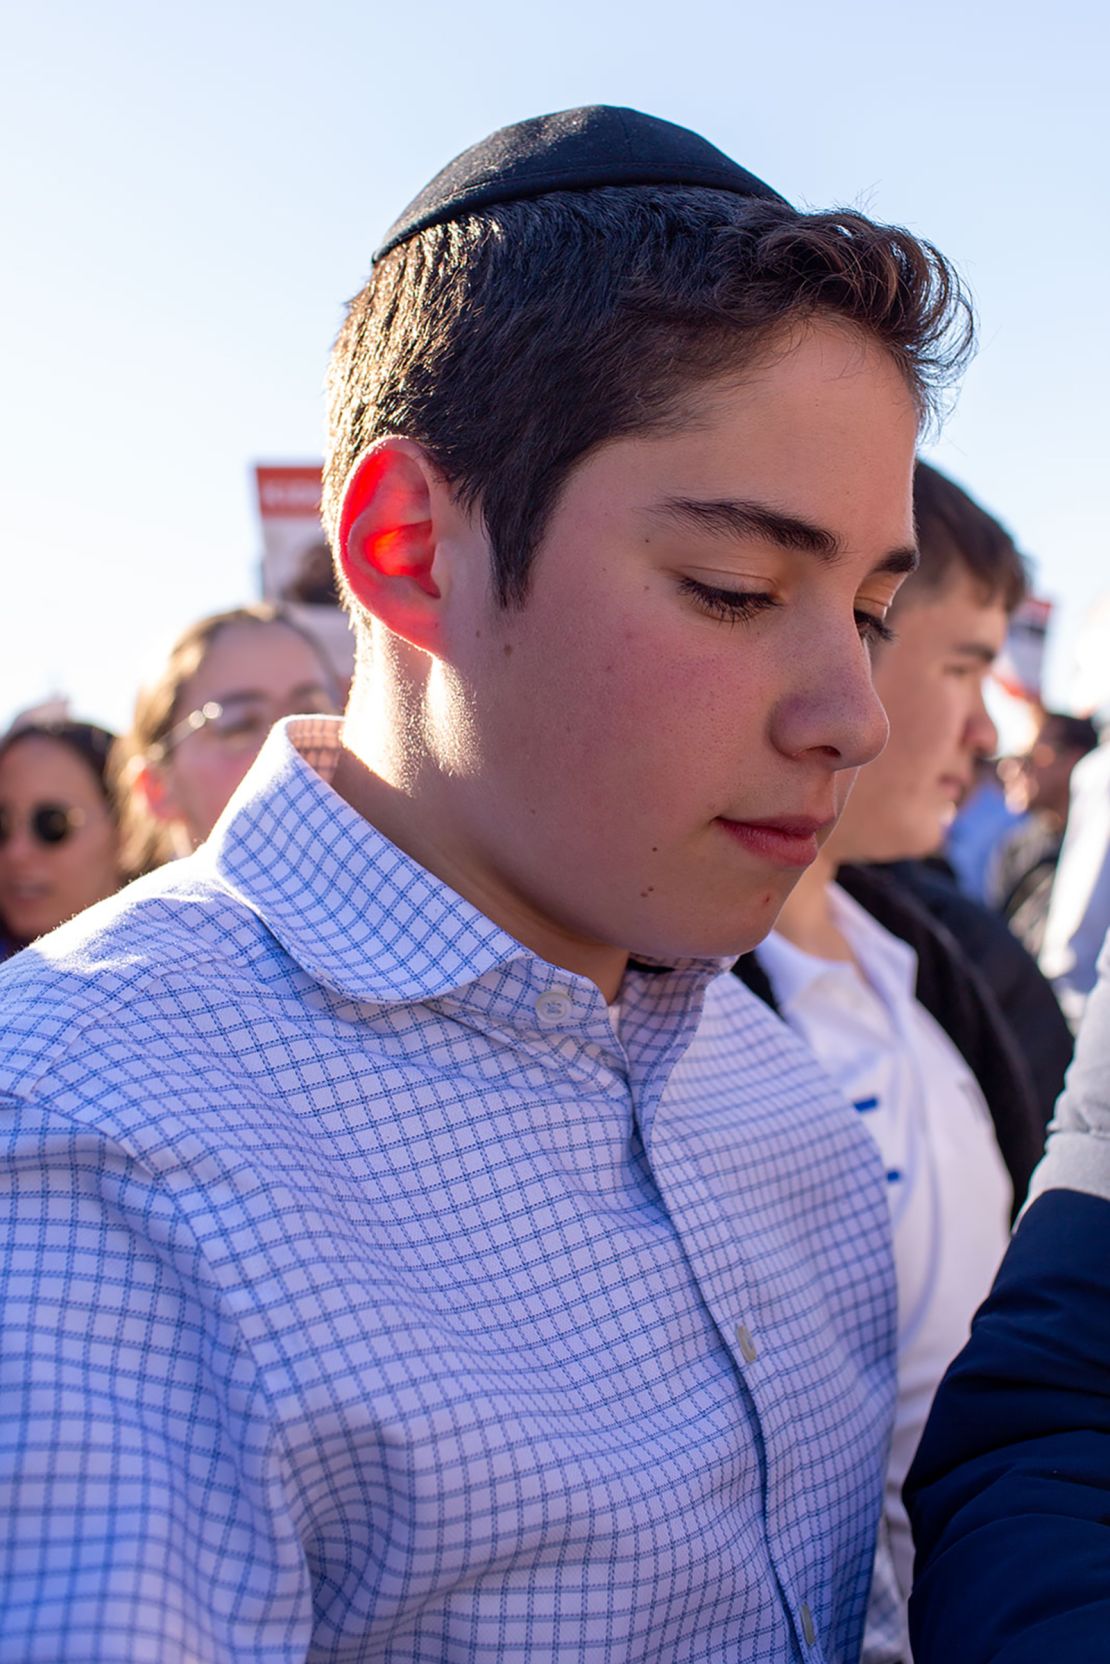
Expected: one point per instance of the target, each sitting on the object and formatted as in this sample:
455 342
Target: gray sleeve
1077 1156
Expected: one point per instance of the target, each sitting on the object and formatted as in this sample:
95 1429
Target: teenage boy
888 1002
421 1251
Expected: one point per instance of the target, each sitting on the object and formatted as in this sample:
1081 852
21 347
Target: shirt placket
693 1211
688 1176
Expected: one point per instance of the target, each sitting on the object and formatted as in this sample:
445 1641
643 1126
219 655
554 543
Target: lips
24 890
954 789
788 841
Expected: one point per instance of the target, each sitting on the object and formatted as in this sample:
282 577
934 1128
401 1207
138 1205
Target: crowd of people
83 811
506 1174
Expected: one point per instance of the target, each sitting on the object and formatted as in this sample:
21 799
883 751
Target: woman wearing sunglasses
59 840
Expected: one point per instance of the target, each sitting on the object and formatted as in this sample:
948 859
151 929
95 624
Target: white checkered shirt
364 1297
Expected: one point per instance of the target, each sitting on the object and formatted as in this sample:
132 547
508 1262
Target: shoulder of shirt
107 976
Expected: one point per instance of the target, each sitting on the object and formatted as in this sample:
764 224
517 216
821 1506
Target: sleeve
1078 1153
1008 1493
143 1497
1079 909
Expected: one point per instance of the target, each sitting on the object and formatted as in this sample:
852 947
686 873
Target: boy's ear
390 535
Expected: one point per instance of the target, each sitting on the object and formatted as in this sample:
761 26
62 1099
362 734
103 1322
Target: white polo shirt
949 1191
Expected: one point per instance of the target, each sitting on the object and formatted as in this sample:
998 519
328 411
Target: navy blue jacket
1010 1492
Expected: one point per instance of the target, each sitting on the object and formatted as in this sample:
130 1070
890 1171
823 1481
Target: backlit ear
390 529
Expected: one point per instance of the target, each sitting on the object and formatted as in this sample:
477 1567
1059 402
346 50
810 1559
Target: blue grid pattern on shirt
345 1323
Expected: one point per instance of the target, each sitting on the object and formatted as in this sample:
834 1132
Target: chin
930 846
717 938
909 845
26 930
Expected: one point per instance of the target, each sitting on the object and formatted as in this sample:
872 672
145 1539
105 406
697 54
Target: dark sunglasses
50 823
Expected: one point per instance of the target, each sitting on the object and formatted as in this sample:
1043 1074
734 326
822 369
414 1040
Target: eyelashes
734 606
873 629
731 606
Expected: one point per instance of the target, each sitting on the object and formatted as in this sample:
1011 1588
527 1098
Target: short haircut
956 534
1068 733
515 341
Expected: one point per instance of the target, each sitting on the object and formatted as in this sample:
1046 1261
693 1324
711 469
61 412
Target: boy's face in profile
931 681
650 750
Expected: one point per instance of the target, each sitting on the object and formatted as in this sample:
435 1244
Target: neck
402 791
807 917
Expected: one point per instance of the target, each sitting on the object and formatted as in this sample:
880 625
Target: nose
981 734
18 845
831 708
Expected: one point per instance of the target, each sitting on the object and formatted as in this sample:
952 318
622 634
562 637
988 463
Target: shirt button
808 1628
748 1349
555 1006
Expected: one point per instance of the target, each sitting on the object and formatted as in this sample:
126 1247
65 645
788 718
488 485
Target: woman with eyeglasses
59 837
200 725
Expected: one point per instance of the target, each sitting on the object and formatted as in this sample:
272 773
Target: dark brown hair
511 343
954 533
91 743
1067 732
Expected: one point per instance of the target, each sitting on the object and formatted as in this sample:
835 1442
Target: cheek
204 784
562 700
916 711
86 869
888 786
658 692
648 700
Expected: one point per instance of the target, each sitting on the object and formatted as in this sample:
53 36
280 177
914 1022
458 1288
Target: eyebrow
739 517
978 650
261 693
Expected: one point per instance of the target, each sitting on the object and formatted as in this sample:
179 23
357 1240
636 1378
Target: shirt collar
347 905
888 963
792 970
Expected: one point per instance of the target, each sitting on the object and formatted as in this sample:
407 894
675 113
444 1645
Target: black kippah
573 150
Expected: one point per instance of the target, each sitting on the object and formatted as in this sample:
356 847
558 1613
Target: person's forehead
959 601
40 765
243 652
804 384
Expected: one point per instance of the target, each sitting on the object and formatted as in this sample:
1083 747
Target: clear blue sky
194 191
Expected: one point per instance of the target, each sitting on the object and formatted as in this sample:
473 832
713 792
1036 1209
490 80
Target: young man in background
421 1249
890 1005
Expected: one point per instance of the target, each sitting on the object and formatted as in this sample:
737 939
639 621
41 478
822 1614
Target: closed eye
873 629
731 606
964 668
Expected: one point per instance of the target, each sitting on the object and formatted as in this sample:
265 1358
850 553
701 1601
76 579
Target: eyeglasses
239 724
49 823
